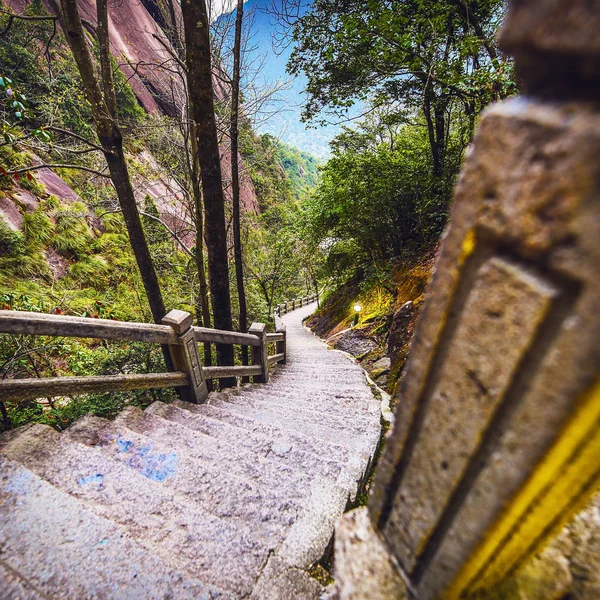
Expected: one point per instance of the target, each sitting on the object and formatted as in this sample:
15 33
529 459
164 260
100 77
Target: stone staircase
235 498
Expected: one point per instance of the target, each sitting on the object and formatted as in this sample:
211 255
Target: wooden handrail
238 371
25 389
275 358
295 303
275 337
32 323
176 331
218 336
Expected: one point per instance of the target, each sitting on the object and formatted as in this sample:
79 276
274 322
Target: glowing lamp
357 309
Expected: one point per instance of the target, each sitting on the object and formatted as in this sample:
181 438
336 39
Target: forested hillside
64 245
127 193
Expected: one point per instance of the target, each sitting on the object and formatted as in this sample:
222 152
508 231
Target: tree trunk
104 107
203 308
439 111
200 89
437 169
235 181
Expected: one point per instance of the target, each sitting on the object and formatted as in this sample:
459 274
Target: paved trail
230 499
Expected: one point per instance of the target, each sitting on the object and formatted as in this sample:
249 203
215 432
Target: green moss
74 236
91 271
112 222
49 203
31 184
12 243
38 229
322 575
26 266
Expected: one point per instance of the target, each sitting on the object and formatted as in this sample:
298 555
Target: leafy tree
427 55
101 94
378 197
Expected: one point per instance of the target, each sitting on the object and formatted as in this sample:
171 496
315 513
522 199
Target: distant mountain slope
301 168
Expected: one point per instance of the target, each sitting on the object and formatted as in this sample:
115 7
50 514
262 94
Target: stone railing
176 331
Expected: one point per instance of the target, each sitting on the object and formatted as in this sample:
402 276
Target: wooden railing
176 331
285 307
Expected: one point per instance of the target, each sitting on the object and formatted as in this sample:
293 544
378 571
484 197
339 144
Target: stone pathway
235 498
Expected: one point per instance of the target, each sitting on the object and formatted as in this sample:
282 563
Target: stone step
271 471
310 532
280 435
340 405
225 553
263 444
204 483
355 431
65 550
333 383
15 587
341 366
280 581
354 458
357 390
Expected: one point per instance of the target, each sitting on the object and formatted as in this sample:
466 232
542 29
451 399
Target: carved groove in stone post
185 356
259 353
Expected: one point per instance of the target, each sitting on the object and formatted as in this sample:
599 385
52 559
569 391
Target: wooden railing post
185 356
293 304
259 353
280 347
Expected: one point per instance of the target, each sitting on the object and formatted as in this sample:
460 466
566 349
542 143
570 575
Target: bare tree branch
57 166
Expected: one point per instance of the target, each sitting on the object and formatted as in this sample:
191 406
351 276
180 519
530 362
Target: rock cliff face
136 40
138 44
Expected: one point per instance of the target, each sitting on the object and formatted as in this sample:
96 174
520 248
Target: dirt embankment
381 339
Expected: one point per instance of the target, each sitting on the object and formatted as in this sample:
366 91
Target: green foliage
301 168
73 234
377 200
75 257
38 229
109 359
128 107
434 59
12 243
91 271
279 172
439 46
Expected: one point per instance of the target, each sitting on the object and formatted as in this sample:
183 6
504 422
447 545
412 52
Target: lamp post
357 309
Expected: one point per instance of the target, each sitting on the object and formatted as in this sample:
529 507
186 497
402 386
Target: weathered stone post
259 353
497 438
185 356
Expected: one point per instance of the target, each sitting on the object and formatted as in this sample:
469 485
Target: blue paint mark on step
123 445
93 479
154 466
